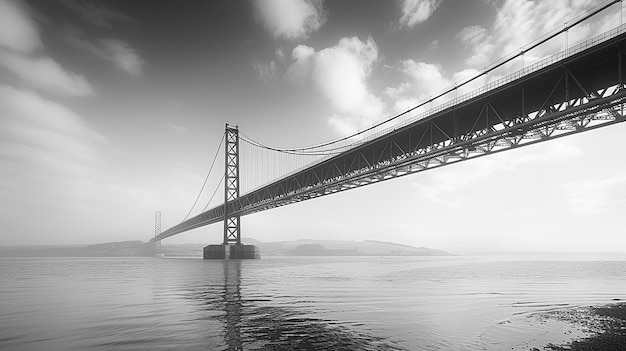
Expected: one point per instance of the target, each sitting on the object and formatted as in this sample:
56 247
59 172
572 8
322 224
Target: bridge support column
215 252
232 246
224 252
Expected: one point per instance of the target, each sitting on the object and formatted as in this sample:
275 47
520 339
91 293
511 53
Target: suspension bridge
576 90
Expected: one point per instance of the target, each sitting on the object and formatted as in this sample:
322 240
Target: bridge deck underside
578 93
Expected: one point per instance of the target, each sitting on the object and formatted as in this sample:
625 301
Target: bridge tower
231 246
157 231
232 227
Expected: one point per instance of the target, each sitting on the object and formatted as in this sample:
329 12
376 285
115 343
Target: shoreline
603 327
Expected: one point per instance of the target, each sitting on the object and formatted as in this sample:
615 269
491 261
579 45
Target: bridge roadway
576 90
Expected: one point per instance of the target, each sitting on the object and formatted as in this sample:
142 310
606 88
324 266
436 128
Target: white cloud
520 22
117 51
300 70
344 125
343 68
427 79
280 54
465 75
18 31
47 74
290 19
340 74
123 55
43 137
266 72
477 39
96 14
19 39
416 11
472 35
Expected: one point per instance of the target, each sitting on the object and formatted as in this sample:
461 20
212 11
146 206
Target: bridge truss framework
232 225
582 91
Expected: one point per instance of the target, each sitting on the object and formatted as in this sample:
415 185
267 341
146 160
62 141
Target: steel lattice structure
157 231
232 226
577 90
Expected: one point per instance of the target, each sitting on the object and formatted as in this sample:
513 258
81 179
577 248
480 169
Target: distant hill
115 249
308 247
303 247
319 250
348 248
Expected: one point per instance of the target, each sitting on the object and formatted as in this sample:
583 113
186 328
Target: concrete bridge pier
236 251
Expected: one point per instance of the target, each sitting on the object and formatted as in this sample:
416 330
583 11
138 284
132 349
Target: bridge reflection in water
233 303
253 323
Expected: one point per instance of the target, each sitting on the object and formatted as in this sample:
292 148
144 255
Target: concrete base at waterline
224 252
214 252
244 252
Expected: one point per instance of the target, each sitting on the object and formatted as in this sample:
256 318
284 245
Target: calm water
291 303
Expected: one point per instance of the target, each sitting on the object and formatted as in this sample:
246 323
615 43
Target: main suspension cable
300 152
164 223
214 192
205 179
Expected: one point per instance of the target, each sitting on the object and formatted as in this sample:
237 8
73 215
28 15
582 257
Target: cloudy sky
112 110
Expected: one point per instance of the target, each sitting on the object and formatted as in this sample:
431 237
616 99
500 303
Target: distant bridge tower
232 246
157 231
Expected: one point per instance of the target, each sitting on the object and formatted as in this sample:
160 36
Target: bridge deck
573 91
